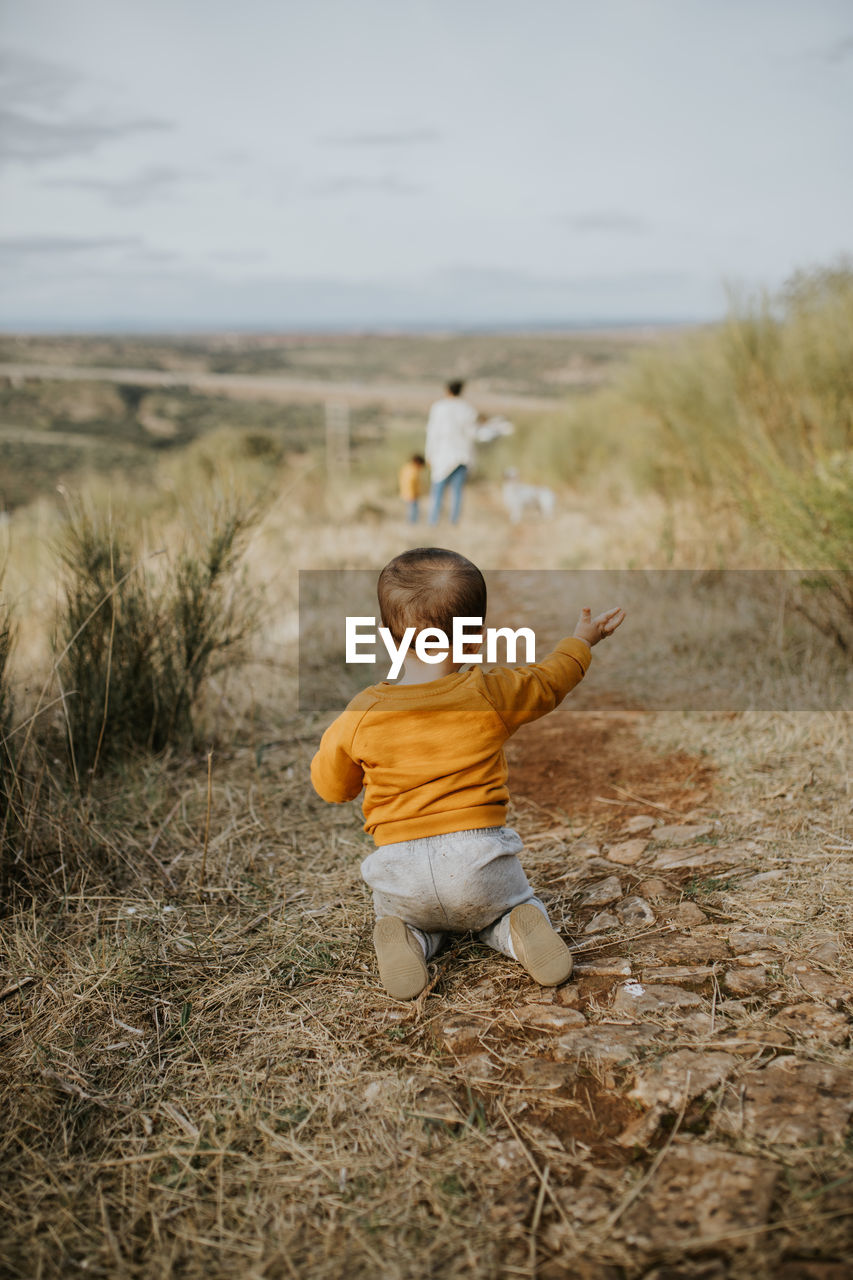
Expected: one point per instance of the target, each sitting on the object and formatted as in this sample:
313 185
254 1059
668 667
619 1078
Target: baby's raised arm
599 628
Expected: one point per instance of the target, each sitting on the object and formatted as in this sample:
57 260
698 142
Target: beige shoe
402 967
538 947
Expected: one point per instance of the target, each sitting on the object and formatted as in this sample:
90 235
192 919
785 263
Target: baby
428 750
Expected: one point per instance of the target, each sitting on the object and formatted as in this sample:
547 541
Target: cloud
396 138
37 246
30 81
351 184
840 51
36 123
153 183
605 220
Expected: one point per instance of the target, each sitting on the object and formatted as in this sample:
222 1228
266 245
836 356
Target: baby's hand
594 629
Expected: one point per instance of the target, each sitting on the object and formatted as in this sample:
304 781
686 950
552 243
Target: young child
428 750
409 480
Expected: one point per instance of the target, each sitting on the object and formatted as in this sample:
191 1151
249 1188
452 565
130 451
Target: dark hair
429 587
419 459
456 387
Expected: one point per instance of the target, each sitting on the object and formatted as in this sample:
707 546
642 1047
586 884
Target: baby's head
429 587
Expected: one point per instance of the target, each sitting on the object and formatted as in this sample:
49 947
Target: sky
353 164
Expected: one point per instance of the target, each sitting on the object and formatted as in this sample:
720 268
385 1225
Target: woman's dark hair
456 387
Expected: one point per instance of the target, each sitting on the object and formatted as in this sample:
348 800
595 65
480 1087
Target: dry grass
201 1075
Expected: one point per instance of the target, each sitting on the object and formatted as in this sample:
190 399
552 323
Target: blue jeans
412 510
455 482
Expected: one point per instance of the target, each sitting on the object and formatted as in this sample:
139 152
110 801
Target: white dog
520 497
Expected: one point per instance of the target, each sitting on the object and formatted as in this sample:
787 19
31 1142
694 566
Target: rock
635 999
742 941
814 1021
697 859
752 959
682 835
601 894
654 888
459 1031
548 1017
698 1194
627 852
546 1076
694 977
761 879
700 1023
635 912
669 1085
815 982
791 1102
746 981
604 1042
748 1041
681 1076
584 849
640 822
602 920
567 996
802 1269
703 945
603 968
825 949
687 914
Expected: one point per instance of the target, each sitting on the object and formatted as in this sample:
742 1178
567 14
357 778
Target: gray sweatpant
467 880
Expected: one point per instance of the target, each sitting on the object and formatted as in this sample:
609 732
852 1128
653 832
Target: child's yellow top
430 756
410 481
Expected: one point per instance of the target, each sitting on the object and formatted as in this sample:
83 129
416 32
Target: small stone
750 959
681 835
814 1021
654 888
627 852
603 968
746 981
697 859
547 1076
567 996
703 945
636 999
687 914
604 1042
635 912
743 941
700 1193
761 879
584 849
459 1031
548 1017
601 894
694 977
827 952
791 1102
602 920
640 822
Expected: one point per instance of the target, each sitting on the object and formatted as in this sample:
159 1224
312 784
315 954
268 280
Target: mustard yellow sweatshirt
430 756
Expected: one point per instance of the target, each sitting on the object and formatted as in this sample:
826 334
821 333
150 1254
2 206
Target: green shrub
136 638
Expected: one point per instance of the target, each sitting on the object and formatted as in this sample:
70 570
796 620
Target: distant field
56 429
